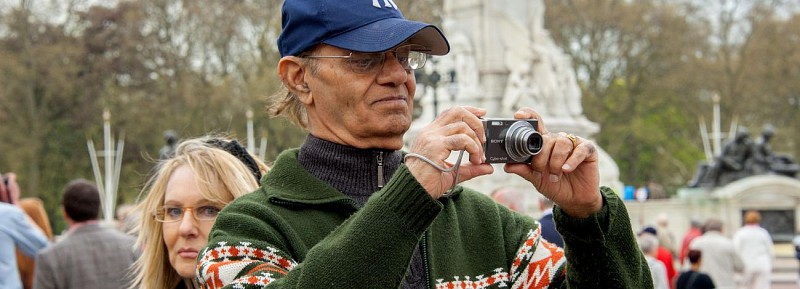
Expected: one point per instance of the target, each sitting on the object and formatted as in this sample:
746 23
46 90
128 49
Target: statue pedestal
776 197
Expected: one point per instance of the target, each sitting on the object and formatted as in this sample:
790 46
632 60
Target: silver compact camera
511 140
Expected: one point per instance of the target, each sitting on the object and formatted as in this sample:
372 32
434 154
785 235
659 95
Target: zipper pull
380 170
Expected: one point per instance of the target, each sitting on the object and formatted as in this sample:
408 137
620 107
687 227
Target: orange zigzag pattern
542 258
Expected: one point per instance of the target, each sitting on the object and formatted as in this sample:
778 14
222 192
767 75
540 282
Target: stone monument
744 175
502 58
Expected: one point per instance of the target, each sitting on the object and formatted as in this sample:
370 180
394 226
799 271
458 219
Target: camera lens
522 141
534 144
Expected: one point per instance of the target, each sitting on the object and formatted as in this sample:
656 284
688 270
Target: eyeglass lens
411 57
174 214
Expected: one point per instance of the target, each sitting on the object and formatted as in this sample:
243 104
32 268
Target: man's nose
392 70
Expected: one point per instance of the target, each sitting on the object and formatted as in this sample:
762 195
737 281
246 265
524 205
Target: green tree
636 62
155 65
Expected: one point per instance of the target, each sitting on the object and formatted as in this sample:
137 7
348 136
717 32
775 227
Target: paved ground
785 268
785 286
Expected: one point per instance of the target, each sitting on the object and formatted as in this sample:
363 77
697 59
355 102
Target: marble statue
505 59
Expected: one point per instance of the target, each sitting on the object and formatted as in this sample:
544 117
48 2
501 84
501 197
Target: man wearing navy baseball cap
349 209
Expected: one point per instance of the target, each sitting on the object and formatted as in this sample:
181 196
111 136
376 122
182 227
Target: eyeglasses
411 57
169 214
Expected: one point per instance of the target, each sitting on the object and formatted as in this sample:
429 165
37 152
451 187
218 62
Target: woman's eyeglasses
411 57
169 214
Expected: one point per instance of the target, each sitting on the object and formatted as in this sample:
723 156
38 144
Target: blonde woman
184 195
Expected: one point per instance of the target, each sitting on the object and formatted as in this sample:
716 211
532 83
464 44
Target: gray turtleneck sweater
357 173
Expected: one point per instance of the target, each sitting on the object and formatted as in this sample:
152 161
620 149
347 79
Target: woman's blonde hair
213 167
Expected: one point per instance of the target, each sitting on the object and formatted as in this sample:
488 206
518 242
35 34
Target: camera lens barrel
522 141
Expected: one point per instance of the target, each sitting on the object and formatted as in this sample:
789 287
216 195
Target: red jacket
664 255
693 233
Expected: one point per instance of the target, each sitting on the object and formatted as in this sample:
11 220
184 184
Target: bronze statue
741 158
765 161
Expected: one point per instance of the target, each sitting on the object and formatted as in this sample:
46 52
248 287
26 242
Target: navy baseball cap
357 25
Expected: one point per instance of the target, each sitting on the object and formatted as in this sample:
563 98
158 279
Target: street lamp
433 81
427 80
452 87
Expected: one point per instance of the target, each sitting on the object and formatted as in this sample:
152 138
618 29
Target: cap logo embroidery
386 4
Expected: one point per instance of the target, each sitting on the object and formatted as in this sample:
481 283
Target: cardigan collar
346 175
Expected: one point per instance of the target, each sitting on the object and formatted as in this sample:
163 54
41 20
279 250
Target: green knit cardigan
298 232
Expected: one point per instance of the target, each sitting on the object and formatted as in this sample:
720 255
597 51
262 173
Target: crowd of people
704 258
154 245
707 258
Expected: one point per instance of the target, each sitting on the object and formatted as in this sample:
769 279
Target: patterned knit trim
499 278
534 267
221 264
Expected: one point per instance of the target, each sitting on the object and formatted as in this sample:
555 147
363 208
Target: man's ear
292 73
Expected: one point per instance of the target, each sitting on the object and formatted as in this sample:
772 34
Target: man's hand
455 129
565 172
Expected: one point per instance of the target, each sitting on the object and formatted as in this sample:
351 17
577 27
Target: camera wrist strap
455 168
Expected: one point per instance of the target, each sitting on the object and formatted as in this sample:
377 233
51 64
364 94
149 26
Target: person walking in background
754 244
648 243
90 255
350 209
720 259
662 254
17 230
665 236
694 278
184 195
34 208
549 231
695 230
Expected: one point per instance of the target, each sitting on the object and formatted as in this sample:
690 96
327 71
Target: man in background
509 197
695 230
665 237
754 245
720 258
649 245
548 226
662 254
90 256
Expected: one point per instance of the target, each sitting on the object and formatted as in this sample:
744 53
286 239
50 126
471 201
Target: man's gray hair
648 243
712 224
286 103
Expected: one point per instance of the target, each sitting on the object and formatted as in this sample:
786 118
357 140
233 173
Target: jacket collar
290 182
